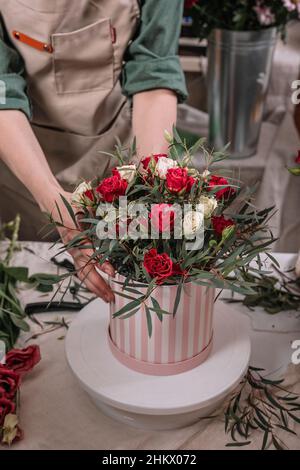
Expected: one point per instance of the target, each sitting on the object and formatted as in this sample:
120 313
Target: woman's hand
87 270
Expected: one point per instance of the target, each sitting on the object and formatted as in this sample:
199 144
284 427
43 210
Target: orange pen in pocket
41 46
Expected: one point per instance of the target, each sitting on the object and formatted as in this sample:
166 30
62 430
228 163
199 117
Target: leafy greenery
13 317
239 15
272 293
261 404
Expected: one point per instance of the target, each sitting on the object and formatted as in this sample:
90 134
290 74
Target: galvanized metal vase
239 70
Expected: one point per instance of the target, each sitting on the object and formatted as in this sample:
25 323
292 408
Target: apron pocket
83 59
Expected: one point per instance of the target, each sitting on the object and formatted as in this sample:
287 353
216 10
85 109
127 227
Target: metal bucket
239 70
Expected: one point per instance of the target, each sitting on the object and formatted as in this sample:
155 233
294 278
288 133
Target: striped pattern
174 339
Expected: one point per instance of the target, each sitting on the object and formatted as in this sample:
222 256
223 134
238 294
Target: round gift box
177 343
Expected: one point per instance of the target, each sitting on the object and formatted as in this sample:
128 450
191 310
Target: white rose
192 223
205 174
77 196
163 165
127 172
209 205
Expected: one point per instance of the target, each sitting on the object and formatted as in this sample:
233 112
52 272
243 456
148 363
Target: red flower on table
222 193
9 382
178 180
112 187
159 266
162 217
219 224
297 159
6 406
146 161
23 360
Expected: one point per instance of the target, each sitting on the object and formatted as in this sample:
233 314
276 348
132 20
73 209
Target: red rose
23 360
177 180
297 160
112 187
9 382
145 162
223 192
6 406
190 3
219 223
158 266
90 195
162 217
177 271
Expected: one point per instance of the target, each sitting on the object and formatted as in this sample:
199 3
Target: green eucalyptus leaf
149 320
20 274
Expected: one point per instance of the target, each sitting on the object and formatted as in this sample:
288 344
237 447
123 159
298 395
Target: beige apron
78 107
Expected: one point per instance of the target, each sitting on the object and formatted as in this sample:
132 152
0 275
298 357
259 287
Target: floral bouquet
172 234
241 15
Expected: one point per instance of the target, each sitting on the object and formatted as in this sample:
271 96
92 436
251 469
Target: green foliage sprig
12 314
274 294
261 404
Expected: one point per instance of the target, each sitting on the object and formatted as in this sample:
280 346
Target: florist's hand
86 269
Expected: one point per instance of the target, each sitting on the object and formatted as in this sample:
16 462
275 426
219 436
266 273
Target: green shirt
151 60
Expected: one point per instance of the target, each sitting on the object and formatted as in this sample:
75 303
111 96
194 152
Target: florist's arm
29 163
152 75
153 112
30 166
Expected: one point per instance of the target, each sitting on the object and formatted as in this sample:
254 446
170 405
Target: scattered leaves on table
273 294
264 405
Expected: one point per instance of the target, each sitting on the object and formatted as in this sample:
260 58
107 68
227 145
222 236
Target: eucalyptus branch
257 405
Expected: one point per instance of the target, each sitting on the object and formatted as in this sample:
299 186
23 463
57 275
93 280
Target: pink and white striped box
177 344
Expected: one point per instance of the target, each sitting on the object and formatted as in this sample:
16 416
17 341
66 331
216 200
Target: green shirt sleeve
152 61
12 82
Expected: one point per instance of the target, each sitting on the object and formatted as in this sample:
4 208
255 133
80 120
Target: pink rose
190 3
162 217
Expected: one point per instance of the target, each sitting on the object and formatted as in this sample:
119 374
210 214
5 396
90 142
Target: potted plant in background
173 235
242 35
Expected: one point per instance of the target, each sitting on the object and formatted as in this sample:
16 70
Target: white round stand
153 402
